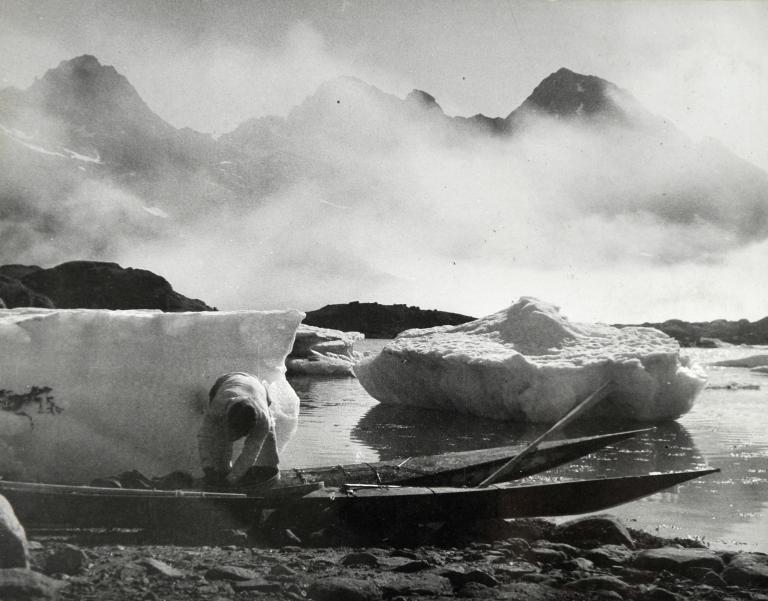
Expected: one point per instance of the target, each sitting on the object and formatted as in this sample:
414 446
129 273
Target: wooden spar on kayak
464 468
515 462
548 456
411 504
43 505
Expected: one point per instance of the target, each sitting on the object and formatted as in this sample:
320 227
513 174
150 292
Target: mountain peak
566 93
424 100
83 90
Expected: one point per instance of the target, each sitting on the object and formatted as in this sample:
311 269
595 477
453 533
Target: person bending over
238 407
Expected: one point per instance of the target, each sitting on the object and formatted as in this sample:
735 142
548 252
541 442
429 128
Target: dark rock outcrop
15 294
17 271
712 333
380 321
94 285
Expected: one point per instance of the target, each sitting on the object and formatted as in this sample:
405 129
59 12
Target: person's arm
213 445
252 447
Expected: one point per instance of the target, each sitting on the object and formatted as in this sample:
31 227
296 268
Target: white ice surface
323 351
751 361
128 388
530 364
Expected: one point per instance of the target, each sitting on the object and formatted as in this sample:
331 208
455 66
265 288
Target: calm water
341 423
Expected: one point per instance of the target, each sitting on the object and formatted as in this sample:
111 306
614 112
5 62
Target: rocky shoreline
587 558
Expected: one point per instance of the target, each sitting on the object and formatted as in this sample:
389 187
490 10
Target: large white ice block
529 363
323 352
89 393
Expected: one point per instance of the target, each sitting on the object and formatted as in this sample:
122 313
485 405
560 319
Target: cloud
370 201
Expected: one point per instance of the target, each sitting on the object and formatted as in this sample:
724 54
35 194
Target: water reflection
395 431
340 423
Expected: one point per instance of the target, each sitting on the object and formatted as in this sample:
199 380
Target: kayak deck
46 505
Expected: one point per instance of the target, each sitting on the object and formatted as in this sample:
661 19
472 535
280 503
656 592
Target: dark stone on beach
413 566
516 546
747 569
459 578
528 591
609 555
230 573
635 576
591 532
677 560
578 564
597 583
516 570
531 529
343 589
281 570
68 559
568 550
543 555
403 553
480 576
360 559
257 584
14 549
475 590
657 593
22 585
155 566
714 579
423 583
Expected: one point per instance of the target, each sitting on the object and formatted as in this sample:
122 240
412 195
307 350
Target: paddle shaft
513 463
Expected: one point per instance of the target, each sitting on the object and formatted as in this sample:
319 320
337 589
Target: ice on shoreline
750 362
87 393
528 363
323 351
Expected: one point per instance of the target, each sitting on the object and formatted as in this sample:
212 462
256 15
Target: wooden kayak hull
425 504
73 506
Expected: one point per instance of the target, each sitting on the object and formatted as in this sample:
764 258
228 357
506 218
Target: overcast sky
211 65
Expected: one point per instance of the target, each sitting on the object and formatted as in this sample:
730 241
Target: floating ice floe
88 393
749 362
322 351
529 363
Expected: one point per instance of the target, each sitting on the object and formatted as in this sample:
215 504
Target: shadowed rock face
95 285
711 333
15 294
380 321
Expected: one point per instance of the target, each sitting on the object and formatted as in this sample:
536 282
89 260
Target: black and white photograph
383 300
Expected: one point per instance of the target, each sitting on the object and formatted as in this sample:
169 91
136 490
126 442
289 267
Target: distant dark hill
92 285
15 294
708 333
380 321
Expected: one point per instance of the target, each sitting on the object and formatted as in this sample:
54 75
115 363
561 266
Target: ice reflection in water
340 423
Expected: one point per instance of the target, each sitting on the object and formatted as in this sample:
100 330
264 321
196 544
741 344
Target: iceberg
89 393
749 362
529 363
323 351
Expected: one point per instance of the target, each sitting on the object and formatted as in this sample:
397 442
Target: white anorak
216 439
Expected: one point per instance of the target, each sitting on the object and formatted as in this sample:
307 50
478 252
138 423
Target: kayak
95 507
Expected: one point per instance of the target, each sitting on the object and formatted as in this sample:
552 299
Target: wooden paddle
512 464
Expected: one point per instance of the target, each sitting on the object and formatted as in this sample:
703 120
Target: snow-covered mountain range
91 172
